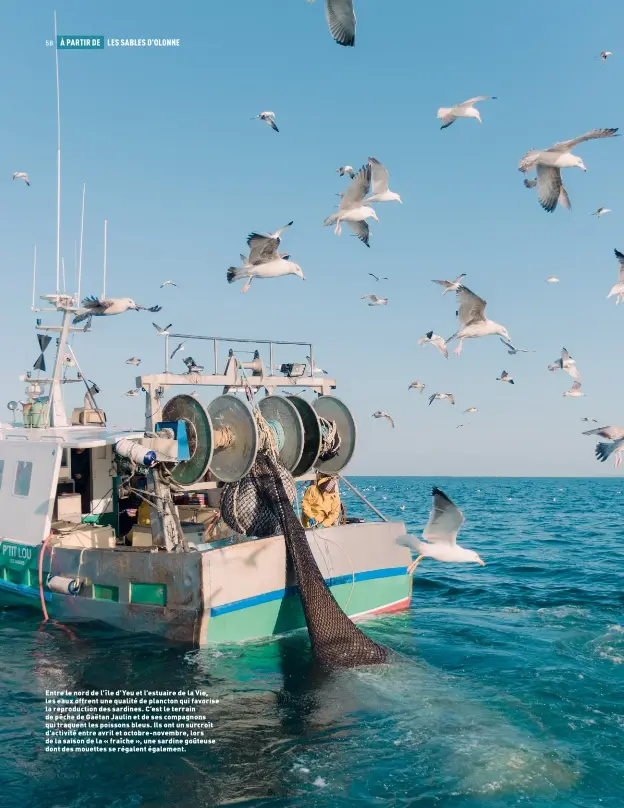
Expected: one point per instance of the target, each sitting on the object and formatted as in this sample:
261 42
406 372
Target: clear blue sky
164 141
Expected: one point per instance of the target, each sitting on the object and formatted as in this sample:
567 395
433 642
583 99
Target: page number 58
49 43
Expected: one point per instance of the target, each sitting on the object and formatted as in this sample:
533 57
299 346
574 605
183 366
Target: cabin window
1 471
23 476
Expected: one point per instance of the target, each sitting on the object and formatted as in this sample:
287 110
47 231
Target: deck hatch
105 592
149 594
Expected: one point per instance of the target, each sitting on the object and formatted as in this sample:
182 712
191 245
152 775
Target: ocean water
508 691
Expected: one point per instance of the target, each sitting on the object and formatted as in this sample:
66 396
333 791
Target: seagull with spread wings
105 307
133 361
618 289
605 450
381 414
505 377
352 209
341 21
376 277
440 535
451 286
375 301
21 175
600 212
264 260
474 323
513 350
435 339
348 170
379 184
466 109
269 118
441 396
167 283
417 386
180 347
575 391
162 332
565 363
549 162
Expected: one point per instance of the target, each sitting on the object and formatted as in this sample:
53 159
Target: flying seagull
603 55
162 332
375 301
590 420
346 170
436 340
192 366
600 212
105 307
314 368
264 260
552 279
472 319
471 409
530 183
179 348
380 414
549 162
134 392
379 184
167 283
618 289
441 396
466 109
505 377
417 386
565 363
21 175
513 350
133 361
267 117
341 20
564 199
451 286
605 450
376 278
575 390
352 209
440 535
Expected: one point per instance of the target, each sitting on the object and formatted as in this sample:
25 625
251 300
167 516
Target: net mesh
244 510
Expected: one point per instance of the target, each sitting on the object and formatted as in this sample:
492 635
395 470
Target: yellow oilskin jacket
324 508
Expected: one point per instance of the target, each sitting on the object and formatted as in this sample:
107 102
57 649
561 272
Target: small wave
610 645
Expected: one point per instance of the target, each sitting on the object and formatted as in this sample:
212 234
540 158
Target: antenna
84 188
63 271
105 238
34 278
58 162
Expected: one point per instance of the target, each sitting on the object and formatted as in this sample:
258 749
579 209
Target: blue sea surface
508 689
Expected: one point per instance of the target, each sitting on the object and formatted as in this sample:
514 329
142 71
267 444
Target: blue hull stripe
25 591
278 594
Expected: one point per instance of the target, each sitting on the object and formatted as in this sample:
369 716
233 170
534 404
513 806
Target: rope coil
330 439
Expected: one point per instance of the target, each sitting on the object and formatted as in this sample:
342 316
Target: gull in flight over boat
379 184
162 332
264 259
380 414
314 368
600 212
376 278
603 55
267 117
436 340
179 348
472 319
21 175
552 279
565 363
352 209
105 307
513 350
575 390
346 170
471 409
505 377
451 286
466 109
192 366
605 450
167 283
448 396
341 21
133 361
417 386
549 162
134 392
618 289
440 535
375 301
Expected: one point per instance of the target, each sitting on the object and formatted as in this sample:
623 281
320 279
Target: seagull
341 21
21 175
104 307
565 363
512 350
441 396
440 535
375 301
466 109
618 289
436 340
134 392
575 390
267 117
600 212
552 279
264 260
376 278
379 184
451 286
589 420
604 55
530 183
549 162
417 386
380 414
352 209
505 377
167 283
346 170
162 332
192 366
472 319
471 409
314 368
179 348
133 361
605 450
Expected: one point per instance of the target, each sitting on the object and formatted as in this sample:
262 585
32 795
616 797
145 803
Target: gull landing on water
618 289
512 350
574 391
435 339
381 414
600 212
440 535
21 175
505 377
268 118
346 170
451 286
549 162
466 109
441 396
105 307
472 319
375 301
352 209
379 184
341 21
417 386
605 450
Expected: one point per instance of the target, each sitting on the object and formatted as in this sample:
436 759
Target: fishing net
244 510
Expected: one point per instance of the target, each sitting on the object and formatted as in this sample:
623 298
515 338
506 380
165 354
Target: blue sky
164 141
